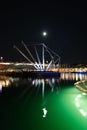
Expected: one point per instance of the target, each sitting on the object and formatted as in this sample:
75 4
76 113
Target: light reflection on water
80 104
8 81
54 83
0 88
57 103
73 76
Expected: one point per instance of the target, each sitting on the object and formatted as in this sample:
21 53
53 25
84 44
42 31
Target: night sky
65 23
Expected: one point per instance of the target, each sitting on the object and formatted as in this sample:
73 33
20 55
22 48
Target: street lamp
1 59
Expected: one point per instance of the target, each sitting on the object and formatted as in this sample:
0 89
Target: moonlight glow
44 33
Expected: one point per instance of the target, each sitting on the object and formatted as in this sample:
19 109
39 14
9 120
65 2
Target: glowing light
0 87
44 112
1 58
79 95
44 33
84 94
77 104
83 112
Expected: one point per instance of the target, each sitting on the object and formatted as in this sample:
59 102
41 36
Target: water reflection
44 85
19 82
81 85
4 81
80 103
44 82
44 112
73 76
9 81
0 88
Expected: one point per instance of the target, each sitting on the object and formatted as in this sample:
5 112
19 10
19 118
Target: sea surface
43 104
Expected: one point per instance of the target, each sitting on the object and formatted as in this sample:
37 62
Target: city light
0 88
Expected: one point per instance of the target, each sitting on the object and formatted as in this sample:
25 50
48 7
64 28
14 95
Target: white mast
43 55
38 64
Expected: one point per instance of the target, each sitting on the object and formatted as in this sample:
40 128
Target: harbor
43 65
36 65
51 103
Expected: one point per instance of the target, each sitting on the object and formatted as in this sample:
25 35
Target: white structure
37 59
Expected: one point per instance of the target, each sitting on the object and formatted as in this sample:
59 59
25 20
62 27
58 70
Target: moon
44 33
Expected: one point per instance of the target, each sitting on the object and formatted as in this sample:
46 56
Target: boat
81 85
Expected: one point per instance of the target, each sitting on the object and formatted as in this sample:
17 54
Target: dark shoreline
32 74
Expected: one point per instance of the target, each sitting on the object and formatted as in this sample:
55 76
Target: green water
21 107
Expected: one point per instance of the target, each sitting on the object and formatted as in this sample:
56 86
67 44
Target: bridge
39 56
41 62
